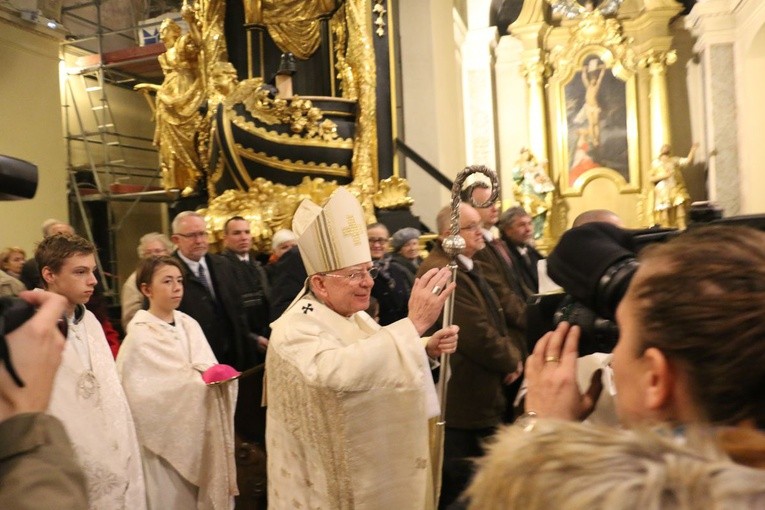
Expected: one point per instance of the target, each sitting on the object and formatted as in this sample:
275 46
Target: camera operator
38 468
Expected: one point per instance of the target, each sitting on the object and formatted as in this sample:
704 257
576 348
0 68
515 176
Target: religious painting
596 117
595 123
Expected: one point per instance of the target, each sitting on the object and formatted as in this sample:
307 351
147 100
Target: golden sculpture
670 196
533 190
266 205
177 104
393 193
292 24
182 133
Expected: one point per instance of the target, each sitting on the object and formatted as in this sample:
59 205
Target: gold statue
533 190
177 104
670 196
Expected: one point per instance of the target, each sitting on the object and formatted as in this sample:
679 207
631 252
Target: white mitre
331 237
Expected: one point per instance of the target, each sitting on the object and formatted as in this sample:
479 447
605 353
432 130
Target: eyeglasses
378 240
474 227
193 235
357 276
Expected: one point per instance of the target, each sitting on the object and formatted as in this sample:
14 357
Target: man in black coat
211 293
256 294
518 231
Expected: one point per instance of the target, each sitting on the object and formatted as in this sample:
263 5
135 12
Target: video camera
18 181
594 264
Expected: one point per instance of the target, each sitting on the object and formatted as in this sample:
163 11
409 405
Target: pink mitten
218 373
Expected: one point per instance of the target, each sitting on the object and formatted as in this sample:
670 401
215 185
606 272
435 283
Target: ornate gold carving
379 11
267 206
294 25
594 30
360 57
533 71
303 118
657 60
286 138
393 193
344 71
288 165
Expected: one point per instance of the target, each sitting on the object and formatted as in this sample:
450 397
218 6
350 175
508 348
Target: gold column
533 71
656 62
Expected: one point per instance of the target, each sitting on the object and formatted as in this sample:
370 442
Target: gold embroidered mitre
331 237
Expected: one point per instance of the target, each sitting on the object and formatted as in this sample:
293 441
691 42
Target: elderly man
487 359
150 245
517 230
348 400
211 294
30 273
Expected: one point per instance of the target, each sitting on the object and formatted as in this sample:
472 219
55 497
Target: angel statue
670 197
178 99
533 190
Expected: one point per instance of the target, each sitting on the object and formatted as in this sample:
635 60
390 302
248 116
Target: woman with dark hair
184 426
691 352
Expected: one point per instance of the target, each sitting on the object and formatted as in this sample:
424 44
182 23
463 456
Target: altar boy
87 396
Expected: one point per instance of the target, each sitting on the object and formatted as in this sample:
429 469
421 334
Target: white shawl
177 416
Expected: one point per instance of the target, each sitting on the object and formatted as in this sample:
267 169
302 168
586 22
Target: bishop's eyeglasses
357 275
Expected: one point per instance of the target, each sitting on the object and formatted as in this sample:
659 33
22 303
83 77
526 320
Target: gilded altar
244 140
597 101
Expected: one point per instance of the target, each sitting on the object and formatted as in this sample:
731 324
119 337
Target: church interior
134 111
457 83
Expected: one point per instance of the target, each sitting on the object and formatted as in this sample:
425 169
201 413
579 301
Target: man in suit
211 292
498 269
256 294
518 231
487 357
496 259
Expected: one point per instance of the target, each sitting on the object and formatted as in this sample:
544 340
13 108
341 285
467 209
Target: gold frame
559 123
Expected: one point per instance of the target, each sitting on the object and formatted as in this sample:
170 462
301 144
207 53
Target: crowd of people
349 330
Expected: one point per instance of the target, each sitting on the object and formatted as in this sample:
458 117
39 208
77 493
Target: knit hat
331 237
281 236
403 236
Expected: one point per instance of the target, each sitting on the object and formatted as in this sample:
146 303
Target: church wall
433 120
30 114
750 53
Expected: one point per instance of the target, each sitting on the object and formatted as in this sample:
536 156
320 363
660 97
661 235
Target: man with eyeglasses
349 400
211 292
486 360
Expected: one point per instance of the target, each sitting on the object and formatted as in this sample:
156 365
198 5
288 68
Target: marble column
477 53
714 26
512 112
533 71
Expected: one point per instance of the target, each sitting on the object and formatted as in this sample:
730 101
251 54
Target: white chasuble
348 408
186 426
89 401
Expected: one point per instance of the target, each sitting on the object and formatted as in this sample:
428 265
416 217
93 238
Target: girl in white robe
185 428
